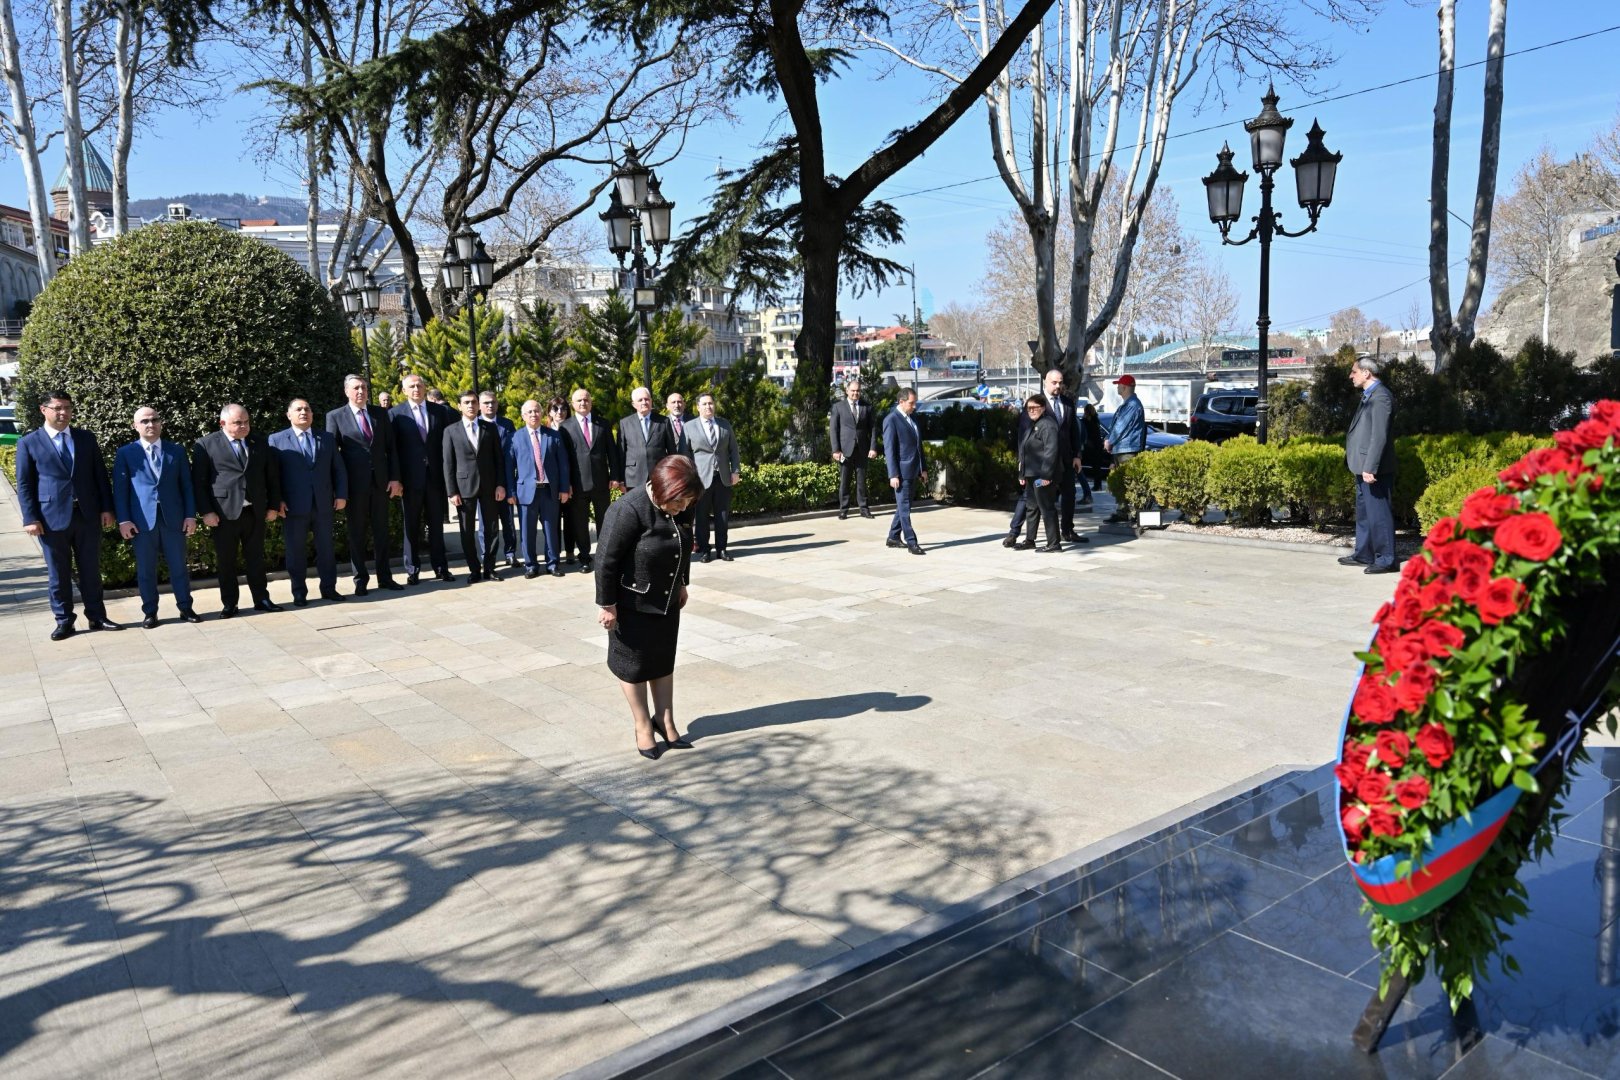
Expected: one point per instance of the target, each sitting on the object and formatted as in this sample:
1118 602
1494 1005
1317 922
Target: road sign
916 362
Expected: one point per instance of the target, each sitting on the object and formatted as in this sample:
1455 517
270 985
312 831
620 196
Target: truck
1166 402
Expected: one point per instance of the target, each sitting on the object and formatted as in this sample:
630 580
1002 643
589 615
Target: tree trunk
312 177
1043 241
1490 151
126 51
26 145
1546 297
1440 329
818 335
72 130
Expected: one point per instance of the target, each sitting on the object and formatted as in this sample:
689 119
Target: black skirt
641 645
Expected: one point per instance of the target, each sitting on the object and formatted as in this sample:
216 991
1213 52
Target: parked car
1156 440
1222 413
9 433
941 404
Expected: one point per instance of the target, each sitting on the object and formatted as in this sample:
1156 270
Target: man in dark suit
238 488
66 501
314 486
719 466
675 412
419 440
594 458
1065 412
537 485
1369 452
157 509
644 440
903 452
850 428
475 474
489 410
365 439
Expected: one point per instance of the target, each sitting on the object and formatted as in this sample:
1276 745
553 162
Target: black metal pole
1264 322
365 351
472 336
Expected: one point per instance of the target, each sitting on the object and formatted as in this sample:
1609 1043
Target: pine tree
605 361
756 407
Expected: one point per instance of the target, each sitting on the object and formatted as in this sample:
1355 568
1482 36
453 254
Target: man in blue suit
902 451
419 438
66 502
314 487
537 484
157 507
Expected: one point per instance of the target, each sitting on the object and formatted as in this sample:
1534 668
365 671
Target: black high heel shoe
651 755
677 744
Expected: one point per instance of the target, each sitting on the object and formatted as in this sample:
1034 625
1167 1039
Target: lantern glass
371 295
618 220
483 268
465 242
354 275
631 178
1224 189
351 302
1267 133
1315 171
453 272
655 215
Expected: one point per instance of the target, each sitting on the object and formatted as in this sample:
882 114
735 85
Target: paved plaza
409 835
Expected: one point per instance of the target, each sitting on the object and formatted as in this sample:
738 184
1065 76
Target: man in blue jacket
314 487
157 508
1127 436
66 501
903 453
537 484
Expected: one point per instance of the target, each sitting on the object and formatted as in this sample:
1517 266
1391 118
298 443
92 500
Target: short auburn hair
675 478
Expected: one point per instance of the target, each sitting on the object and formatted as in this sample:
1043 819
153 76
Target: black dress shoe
651 755
266 605
866 513
1071 537
707 557
1024 545
190 615
412 578
916 549
557 571
585 564
224 613
104 624
62 631
842 514
569 559
493 575
1010 540
531 573
445 575
300 601
334 596
725 556
893 543
1050 549
391 585
1350 560
149 623
474 577
1376 569
360 589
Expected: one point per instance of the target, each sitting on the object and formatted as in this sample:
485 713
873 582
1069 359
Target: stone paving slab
409 835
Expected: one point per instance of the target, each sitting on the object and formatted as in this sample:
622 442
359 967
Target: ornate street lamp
467 267
1314 173
638 216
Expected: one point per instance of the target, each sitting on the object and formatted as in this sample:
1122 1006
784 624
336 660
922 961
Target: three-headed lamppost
638 212
362 297
467 267
1314 170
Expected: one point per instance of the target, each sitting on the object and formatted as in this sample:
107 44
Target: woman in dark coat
643 566
1093 458
1038 465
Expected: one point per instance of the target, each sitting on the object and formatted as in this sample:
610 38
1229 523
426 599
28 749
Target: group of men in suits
849 427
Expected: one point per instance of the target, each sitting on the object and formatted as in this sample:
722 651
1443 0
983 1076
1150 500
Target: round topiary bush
184 317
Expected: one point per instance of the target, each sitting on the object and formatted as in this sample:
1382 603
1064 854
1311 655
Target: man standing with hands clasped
851 431
719 467
156 508
1369 451
314 487
538 485
366 442
902 450
475 475
238 487
644 440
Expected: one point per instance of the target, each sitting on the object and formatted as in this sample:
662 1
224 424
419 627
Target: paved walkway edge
655 1046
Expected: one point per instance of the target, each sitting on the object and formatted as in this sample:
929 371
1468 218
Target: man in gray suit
644 439
850 428
714 451
1369 452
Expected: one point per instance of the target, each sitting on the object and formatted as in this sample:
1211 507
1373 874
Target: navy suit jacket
902 447
139 497
375 463
420 460
47 490
522 481
310 488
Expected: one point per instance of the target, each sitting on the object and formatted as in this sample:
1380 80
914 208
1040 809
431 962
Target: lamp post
362 298
1614 313
638 215
468 267
1314 173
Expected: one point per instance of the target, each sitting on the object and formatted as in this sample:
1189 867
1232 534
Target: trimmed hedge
1243 480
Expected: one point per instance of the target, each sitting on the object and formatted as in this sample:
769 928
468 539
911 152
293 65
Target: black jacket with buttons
642 554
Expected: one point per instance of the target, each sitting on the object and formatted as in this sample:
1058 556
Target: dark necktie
236 448
309 446
62 450
677 429
365 424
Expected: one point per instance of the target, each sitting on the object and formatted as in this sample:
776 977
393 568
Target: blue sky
1371 249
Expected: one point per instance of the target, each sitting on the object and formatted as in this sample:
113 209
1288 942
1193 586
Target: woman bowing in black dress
642 569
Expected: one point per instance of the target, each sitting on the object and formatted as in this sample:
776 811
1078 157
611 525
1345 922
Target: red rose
1374 787
1383 612
1414 688
1434 743
1418 568
1442 639
1606 413
1487 508
1408 610
1374 702
1466 555
1349 776
1436 595
1530 536
1405 650
1469 583
1412 792
1353 764
1441 533
1354 820
1382 820
1588 435
1502 599
1393 746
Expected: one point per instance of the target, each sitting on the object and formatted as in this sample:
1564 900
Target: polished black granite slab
1229 943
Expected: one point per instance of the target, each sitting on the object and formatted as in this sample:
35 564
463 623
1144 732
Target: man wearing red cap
1128 434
